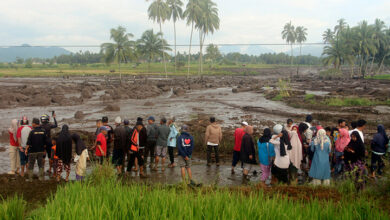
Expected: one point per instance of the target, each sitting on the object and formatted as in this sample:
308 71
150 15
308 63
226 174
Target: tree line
365 47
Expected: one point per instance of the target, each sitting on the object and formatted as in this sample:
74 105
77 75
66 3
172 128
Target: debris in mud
79 115
2 149
112 108
148 104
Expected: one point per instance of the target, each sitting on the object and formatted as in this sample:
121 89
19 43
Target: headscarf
14 128
80 146
382 131
64 145
266 136
357 146
321 138
284 140
296 152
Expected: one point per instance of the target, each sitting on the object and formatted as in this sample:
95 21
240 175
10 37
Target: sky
88 22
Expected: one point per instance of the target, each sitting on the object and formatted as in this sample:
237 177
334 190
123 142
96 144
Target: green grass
309 96
349 102
278 97
12 209
382 77
39 70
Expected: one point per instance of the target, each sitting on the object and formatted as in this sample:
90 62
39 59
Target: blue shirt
266 151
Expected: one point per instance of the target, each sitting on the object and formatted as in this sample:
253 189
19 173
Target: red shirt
12 141
238 134
103 145
19 132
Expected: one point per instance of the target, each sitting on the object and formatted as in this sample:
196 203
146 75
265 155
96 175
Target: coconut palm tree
208 23
327 36
159 11
378 39
176 13
151 46
192 14
341 25
337 53
301 33
121 50
289 35
366 45
385 48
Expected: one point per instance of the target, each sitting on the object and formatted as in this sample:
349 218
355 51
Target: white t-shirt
281 162
25 132
360 133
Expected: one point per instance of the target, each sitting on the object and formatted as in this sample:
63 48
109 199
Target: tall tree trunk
380 66
201 66
174 29
372 65
119 66
189 51
291 64
300 57
165 65
200 51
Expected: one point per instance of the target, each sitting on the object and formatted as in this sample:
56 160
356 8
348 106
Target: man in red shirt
238 134
101 144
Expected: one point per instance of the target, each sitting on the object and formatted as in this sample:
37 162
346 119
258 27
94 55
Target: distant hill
250 50
9 54
308 50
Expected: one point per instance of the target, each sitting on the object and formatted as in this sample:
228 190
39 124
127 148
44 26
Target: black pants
209 149
149 151
133 155
236 158
377 163
171 154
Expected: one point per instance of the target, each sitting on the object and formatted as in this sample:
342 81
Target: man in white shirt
361 125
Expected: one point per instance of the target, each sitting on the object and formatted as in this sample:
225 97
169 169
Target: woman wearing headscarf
378 147
320 166
295 153
64 152
281 143
14 148
81 157
266 154
248 154
354 158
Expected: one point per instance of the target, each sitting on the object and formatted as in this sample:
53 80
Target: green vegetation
349 102
12 209
364 46
381 77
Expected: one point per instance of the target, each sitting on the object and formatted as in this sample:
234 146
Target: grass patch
309 97
349 102
278 97
382 77
12 208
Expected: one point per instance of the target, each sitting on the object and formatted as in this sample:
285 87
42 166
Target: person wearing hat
22 135
162 143
101 144
47 126
119 144
281 143
109 136
238 134
36 143
151 129
134 150
185 147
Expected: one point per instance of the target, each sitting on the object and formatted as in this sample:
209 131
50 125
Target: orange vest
55 151
134 140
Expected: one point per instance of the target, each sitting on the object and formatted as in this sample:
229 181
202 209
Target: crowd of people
290 153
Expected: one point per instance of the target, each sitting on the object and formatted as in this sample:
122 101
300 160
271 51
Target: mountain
9 54
250 50
308 50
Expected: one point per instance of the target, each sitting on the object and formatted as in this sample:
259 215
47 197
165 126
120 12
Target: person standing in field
109 136
47 126
64 152
320 166
342 140
151 129
289 125
128 131
134 150
161 144
378 146
354 158
361 125
101 144
266 154
185 147
99 124
14 148
282 160
248 154
238 134
81 157
22 135
143 136
54 156
172 141
213 137
36 143
295 154
119 145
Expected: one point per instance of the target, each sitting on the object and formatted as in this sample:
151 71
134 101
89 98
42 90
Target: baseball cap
244 123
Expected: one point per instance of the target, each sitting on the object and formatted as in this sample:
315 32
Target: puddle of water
317 93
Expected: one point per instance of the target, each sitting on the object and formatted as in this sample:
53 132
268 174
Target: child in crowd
101 144
266 154
185 146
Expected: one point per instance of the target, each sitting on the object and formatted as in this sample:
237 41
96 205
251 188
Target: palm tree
337 53
366 45
378 39
301 37
192 13
385 48
150 46
327 36
121 50
208 23
212 53
341 25
289 35
176 13
159 11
